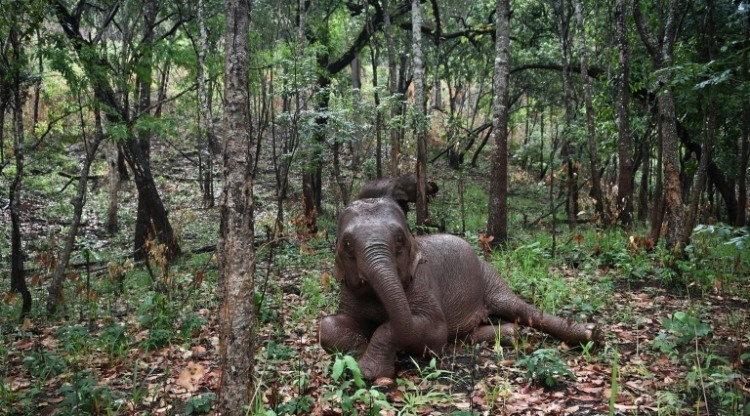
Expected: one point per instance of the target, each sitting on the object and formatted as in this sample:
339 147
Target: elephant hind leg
504 304
508 334
342 333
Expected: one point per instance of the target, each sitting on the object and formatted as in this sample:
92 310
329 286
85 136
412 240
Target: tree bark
624 176
17 274
55 288
114 189
596 187
235 246
661 52
745 139
497 222
392 88
144 228
205 150
571 183
420 118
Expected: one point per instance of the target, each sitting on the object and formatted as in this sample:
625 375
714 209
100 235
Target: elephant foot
583 333
488 333
594 333
373 370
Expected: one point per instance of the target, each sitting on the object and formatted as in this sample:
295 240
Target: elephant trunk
381 272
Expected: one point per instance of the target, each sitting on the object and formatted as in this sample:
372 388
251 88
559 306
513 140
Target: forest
185 219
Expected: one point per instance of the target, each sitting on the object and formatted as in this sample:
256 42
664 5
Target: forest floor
671 346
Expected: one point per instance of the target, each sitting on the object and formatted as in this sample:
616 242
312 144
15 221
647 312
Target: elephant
403 189
415 294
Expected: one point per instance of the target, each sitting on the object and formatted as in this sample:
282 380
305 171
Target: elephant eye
399 244
349 248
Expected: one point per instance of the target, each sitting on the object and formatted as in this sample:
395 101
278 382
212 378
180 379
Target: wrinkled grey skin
403 189
416 294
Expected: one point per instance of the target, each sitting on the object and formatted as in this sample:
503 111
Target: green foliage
157 314
543 365
348 391
74 339
43 364
426 391
199 405
86 396
681 328
115 340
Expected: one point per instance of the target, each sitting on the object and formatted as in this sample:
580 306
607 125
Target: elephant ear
338 269
343 270
416 258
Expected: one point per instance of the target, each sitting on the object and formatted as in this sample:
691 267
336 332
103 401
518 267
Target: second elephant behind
402 189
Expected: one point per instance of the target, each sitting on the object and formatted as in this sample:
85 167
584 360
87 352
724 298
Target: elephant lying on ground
402 189
416 294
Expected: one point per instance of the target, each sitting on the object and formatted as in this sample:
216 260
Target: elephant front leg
380 356
343 334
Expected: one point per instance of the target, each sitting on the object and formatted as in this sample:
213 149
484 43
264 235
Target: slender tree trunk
392 87
205 151
420 118
378 113
497 222
657 210
661 52
624 176
356 66
114 189
55 288
596 188
645 177
700 175
144 228
17 275
745 139
709 128
235 246
567 150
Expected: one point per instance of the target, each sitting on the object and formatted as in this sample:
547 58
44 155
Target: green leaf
338 369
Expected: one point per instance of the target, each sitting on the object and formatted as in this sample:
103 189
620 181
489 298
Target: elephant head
377 253
401 188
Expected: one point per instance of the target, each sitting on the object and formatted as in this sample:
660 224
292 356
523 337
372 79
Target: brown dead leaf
383 381
325 280
26 324
9 298
185 380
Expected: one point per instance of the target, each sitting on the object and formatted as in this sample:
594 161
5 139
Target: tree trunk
700 175
17 275
745 139
420 119
596 188
114 189
657 211
709 127
392 88
661 52
645 177
235 246
205 150
356 142
567 151
624 176
55 288
497 222
144 229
